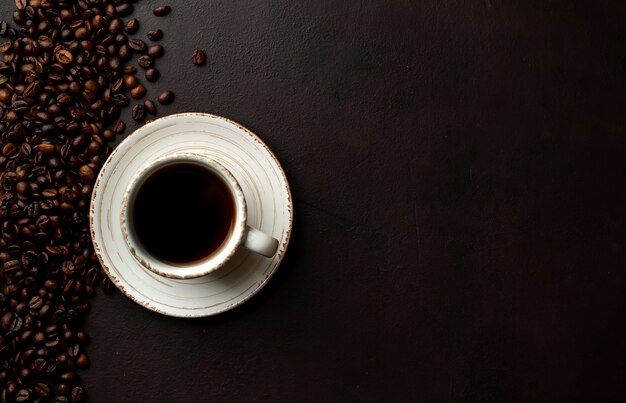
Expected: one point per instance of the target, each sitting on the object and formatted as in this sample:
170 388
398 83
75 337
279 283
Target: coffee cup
184 216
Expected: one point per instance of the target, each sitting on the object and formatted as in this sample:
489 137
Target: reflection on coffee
183 213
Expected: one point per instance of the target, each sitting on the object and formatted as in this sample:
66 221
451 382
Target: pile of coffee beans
66 71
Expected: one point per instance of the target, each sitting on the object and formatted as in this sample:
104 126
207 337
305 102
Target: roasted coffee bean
82 361
63 56
78 395
83 338
152 74
119 127
155 35
42 390
35 303
7 320
68 376
150 106
145 62
131 81
23 395
107 286
162 11
124 9
138 112
68 268
137 45
87 175
138 92
129 69
132 26
155 51
166 97
198 57
116 26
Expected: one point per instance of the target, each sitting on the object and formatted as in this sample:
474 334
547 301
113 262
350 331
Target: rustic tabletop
457 169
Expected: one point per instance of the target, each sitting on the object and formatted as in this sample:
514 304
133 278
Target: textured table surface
458 176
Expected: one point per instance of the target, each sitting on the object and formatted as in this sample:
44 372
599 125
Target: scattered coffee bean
145 62
124 9
63 56
78 395
42 390
132 26
138 92
150 107
139 112
23 395
116 26
131 81
155 35
166 97
119 127
137 45
162 11
155 51
130 69
198 57
152 74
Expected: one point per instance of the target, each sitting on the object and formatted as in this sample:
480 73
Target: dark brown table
458 173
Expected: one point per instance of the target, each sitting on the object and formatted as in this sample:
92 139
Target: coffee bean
166 97
69 376
145 61
155 51
132 26
138 112
162 11
35 303
87 174
83 338
7 320
68 268
198 57
116 26
107 286
119 127
138 92
129 69
82 361
42 389
152 74
78 395
23 395
124 9
131 81
149 106
155 35
137 45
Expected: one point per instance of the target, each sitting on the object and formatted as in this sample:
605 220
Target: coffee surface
183 213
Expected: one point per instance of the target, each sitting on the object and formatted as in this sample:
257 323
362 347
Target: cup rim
200 267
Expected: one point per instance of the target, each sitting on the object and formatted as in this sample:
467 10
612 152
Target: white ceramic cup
241 235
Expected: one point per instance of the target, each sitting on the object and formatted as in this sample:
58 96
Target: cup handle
261 243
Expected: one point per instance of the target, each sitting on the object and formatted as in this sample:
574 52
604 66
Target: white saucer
269 209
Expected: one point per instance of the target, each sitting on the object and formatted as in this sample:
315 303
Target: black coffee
183 213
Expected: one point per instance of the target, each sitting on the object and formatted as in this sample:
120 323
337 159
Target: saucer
269 209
